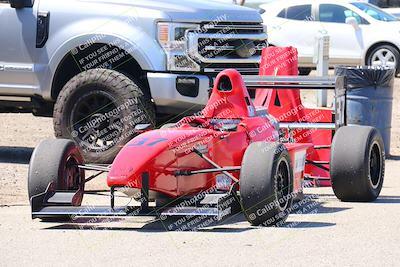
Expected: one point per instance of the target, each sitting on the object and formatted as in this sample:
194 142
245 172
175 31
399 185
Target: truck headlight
173 39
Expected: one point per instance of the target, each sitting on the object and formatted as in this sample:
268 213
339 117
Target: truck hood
191 10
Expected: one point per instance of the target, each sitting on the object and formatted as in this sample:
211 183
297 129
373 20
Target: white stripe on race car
299 161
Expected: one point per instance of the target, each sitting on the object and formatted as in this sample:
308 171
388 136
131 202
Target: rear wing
336 83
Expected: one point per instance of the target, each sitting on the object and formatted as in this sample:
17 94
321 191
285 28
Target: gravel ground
332 233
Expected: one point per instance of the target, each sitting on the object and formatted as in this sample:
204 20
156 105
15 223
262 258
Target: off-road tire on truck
357 165
56 161
266 184
99 110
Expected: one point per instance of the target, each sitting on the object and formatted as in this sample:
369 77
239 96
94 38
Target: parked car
390 6
394 11
101 67
360 33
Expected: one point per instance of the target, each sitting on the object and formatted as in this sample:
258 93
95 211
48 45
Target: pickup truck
103 68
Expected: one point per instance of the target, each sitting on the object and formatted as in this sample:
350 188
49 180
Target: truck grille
226 48
225 45
233 27
247 69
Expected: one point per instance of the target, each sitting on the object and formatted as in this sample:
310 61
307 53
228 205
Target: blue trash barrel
370 98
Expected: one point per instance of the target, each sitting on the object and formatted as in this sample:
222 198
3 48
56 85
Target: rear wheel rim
283 178
384 57
96 121
375 165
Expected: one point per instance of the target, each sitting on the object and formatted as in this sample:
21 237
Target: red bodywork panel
163 152
286 106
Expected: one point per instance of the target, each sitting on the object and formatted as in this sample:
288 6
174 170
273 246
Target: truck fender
142 47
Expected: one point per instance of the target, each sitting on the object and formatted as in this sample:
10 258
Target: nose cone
155 152
136 157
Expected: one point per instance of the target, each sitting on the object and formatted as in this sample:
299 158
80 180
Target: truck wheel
266 184
357 163
99 110
55 161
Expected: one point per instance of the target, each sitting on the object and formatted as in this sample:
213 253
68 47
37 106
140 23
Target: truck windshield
375 12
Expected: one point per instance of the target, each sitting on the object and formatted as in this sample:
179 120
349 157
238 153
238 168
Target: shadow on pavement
145 229
157 225
161 227
388 200
326 210
315 207
234 224
393 157
308 224
17 155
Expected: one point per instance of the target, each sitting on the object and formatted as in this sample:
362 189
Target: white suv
360 33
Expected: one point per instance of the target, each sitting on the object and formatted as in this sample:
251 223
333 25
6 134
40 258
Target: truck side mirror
353 22
17 4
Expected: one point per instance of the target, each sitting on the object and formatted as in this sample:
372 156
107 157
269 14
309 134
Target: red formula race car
231 157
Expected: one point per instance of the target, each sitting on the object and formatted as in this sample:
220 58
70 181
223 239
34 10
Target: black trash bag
367 76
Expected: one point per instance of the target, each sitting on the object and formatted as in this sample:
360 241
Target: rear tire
266 184
99 110
357 163
55 161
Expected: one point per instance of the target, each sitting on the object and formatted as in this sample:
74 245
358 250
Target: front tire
266 184
357 163
56 162
99 110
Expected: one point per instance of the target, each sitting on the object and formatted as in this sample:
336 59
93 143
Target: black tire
18 4
304 71
55 161
385 47
266 196
357 163
99 109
